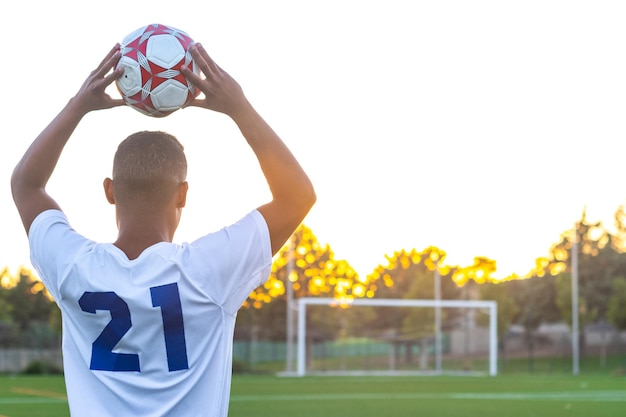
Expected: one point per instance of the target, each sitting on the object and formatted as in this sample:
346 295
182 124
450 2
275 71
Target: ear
181 194
108 190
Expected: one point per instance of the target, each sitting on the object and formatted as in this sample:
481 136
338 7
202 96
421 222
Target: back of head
147 168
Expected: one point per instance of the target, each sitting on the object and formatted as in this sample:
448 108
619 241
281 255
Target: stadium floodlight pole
290 307
301 367
437 320
575 337
493 338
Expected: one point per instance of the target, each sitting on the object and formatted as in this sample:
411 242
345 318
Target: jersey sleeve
53 246
239 259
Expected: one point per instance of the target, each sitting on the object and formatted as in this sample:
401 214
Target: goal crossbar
392 302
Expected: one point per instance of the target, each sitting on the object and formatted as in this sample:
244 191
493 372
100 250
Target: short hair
147 168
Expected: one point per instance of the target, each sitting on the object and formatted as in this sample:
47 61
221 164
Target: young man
148 324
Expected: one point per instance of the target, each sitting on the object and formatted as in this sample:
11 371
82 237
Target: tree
617 301
396 279
6 326
34 317
599 262
311 270
616 310
563 301
502 294
29 300
535 298
5 281
619 237
409 274
480 272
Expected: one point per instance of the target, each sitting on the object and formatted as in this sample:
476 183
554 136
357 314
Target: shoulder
249 231
53 242
245 242
54 246
51 225
46 218
252 224
232 262
48 226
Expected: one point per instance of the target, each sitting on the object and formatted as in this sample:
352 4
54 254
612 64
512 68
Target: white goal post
389 302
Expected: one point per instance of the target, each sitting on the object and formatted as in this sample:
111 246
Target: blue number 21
103 358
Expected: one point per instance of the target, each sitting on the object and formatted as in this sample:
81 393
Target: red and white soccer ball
152 82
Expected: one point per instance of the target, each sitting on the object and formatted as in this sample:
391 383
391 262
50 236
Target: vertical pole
301 338
575 337
290 307
493 339
437 320
465 324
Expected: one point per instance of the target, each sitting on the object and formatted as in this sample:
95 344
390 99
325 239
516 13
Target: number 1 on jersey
168 298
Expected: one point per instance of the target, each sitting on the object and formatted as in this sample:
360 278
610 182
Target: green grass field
441 396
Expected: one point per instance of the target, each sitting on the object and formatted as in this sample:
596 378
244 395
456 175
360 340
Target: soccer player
147 323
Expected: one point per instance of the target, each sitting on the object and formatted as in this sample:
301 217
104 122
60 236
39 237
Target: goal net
396 337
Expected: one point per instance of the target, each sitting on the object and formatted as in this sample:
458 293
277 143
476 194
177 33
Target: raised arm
292 191
30 176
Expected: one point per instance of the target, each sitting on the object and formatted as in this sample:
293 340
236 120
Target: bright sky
482 127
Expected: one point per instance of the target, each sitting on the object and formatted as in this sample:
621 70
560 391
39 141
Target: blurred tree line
28 316
542 296
307 268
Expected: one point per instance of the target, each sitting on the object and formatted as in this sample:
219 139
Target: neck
139 232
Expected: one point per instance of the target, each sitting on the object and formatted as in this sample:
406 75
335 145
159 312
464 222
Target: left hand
92 95
221 92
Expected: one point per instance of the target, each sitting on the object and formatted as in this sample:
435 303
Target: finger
109 62
205 55
196 102
109 55
191 75
199 60
115 102
114 75
112 52
204 62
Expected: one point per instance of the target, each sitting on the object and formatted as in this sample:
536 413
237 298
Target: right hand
221 92
92 95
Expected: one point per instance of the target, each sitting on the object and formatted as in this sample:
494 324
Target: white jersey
150 336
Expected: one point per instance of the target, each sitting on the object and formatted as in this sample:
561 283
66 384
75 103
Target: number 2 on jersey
103 358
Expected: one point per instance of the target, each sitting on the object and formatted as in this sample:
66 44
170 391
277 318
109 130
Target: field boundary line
39 393
30 400
582 396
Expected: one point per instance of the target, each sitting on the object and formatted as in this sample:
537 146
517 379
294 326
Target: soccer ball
152 82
